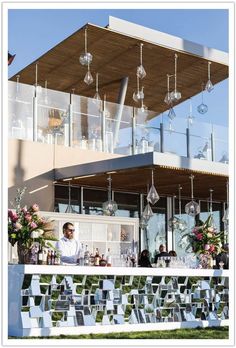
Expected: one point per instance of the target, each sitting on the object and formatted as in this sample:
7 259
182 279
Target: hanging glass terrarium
153 196
109 207
192 208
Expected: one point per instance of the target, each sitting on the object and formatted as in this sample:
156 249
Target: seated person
144 259
223 256
172 253
162 253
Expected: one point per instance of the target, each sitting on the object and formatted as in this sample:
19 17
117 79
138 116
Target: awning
133 174
115 56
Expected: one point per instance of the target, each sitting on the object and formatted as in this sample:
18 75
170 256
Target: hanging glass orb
88 78
202 108
153 196
141 73
225 218
173 222
86 58
209 86
175 96
167 99
109 208
192 208
182 225
147 213
143 223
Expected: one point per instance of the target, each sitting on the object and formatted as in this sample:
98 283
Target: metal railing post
212 147
188 142
35 117
133 134
103 126
70 128
161 137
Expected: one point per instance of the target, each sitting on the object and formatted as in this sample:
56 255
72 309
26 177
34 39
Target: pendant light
109 207
139 94
202 108
190 117
209 86
175 95
182 225
174 220
70 209
167 99
192 208
153 196
96 95
86 57
141 73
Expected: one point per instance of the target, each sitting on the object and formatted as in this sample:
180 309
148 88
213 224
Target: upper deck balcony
55 117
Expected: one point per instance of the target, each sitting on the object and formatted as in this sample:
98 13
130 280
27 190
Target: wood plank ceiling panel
116 56
166 182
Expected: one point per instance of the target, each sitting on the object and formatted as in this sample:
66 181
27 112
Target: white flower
34 234
40 231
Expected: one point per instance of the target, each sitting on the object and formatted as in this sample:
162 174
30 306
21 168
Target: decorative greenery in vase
204 240
27 226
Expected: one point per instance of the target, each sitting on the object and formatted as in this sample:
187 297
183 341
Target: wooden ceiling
116 56
166 182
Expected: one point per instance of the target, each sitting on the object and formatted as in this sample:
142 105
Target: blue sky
33 32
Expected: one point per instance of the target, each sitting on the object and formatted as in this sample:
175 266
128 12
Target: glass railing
60 118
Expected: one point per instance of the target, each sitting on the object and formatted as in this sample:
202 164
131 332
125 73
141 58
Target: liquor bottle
108 257
52 258
92 258
103 261
81 255
97 258
49 260
40 256
44 261
57 260
86 256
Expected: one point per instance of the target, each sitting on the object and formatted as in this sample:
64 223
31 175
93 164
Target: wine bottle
49 260
97 258
40 256
86 256
103 261
108 257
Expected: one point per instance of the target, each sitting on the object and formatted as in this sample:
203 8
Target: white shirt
69 249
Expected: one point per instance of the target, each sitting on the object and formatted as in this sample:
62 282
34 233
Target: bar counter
54 300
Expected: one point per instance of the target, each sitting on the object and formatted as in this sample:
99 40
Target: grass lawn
197 333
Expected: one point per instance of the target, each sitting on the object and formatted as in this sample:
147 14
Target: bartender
68 246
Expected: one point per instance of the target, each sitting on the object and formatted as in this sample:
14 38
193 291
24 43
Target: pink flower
12 215
206 247
199 236
195 230
28 217
33 224
24 210
212 248
35 207
18 226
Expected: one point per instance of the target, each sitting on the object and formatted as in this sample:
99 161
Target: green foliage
78 278
43 289
99 316
26 281
59 278
45 278
57 316
196 333
37 300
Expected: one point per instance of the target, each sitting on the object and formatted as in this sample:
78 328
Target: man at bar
68 246
162 253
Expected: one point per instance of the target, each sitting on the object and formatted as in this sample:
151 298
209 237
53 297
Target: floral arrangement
26 225
205 239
